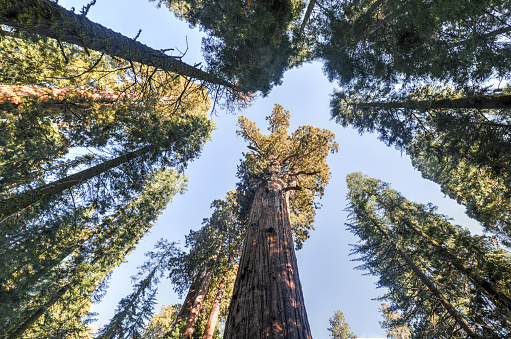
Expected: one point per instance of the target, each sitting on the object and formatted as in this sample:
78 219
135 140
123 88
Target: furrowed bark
48 19
267 300
453 312
17 203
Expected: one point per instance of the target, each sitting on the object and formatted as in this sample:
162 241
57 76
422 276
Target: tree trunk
54 95
48 19
197 305
460 320
209 330
18 202
475 102
267 300
306 17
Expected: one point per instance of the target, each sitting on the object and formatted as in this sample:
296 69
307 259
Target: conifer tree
465 150
214 252
369 42
133 310
288 170
440 278
256 53
73 282
339 329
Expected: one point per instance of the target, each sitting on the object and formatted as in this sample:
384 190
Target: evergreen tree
161 322
390 319
136 308
366 42
440 278
339 328
205 270
267 298
465 150
73 282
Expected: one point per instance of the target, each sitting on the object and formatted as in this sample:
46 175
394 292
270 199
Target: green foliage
365 41
134 310
465 150
74 280
457 263
339 329
390 318
161 322
300 159
248 42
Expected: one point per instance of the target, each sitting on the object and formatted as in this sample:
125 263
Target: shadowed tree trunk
267 300
18 202
48 19
475 102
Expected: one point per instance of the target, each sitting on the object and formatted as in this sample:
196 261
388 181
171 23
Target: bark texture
267 300
15 94
197 305
209 330
48 19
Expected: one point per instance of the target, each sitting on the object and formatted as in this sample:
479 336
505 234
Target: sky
326 269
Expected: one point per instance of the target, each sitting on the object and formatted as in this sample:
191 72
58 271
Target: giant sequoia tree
267 300
442 280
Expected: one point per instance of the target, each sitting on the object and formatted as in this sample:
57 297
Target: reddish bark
15 94
197 305
267 300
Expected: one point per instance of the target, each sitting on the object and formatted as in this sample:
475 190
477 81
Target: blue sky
326 271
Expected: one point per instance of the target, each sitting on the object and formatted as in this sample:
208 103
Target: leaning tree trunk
267 300
499 298
18 202
48 19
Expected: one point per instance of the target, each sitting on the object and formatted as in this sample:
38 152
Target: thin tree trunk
18 202
48 19
267 300
475 102
209 330
197 305
307 15
460 320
